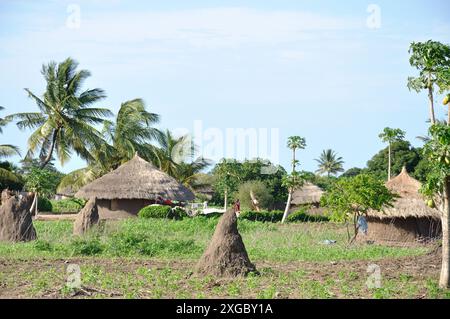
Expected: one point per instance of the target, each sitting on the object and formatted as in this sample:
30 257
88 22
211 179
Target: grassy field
154 259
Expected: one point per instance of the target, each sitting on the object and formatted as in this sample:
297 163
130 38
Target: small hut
131 187
410 219
309 194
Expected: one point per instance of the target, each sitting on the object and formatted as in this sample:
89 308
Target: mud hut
410 219
308 195
134 185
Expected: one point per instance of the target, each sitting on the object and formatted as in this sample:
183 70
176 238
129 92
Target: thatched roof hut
409 218
308 194
133 186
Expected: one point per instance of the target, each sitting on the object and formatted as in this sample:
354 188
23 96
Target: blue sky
309 68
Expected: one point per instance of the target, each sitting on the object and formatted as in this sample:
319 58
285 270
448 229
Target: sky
241 76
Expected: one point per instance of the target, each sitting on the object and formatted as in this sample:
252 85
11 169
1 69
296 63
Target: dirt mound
15 218
226 255
86 218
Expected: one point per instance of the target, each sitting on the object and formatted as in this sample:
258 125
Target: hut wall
121 208
403 229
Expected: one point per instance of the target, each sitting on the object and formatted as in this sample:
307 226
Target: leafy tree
228 178
254 195
354 197
295 180
432 60
9 179
437 153
352 172
329 163
403 154
391 135
6 150
65 121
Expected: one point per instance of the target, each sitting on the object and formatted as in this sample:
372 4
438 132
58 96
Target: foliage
329 163
263 216
44 204
72 205
294 143
66 121
352 172
159 211
403 154
42 181
7 150
303 216
260 191
391 135
10 180
293 181
356 195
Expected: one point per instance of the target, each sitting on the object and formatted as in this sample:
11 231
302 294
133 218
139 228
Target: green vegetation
254 195
164 212
329 163
72 205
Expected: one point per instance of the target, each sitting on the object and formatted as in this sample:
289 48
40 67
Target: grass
153 258
187 239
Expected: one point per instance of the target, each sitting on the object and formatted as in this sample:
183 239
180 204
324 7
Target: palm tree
390 135
293 181
132 131
6 150
329 163
65 121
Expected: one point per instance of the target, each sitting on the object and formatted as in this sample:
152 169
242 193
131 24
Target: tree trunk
52 148
288 206
293 161
431 98
226 200
34 205
444 281
389 162
448 114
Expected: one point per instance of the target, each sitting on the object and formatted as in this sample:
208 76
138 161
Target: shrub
87 247
303 216
158 212
263 216
260 191
72 205
44 205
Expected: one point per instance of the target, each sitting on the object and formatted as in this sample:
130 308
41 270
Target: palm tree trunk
288 206
389 162
430 97
52 148
448 114
444 281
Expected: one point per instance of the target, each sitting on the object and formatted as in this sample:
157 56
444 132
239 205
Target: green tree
6 150
391 135
65 121
352 172
227 178
329 163
403 154
354 197
432 60
437 153
254 195
9 177
295 180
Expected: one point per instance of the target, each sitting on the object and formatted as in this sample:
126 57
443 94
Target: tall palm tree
391 135
6 150
173 151
293 181
65 121
329 163
132 131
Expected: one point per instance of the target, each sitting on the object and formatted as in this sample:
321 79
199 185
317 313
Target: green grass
187 239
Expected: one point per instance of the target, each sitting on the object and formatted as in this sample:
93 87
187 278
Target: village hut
409 219
308 195
131 187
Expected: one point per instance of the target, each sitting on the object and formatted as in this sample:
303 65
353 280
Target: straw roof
308 194
410 203
136 179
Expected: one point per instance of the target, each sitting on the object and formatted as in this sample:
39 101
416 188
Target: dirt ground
292 279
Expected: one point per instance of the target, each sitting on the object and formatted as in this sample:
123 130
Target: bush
260 191
72 205
87 247
160 212
263 216
303 216
44 205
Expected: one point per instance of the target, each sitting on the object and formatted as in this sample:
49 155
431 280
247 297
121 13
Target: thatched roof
410 203
308 194
136 179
